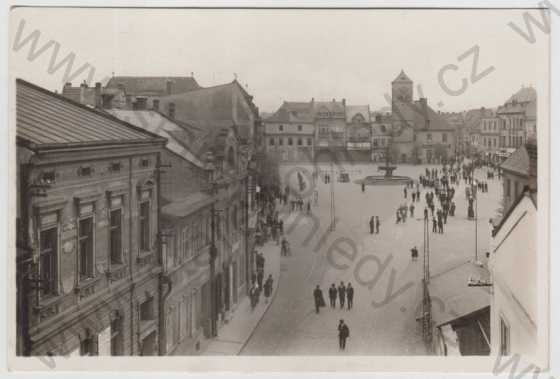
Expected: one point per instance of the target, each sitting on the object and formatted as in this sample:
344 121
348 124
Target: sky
289 55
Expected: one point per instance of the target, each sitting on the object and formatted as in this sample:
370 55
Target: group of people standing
257 284
374 225
344 293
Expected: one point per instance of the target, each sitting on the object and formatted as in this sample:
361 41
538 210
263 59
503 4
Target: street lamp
474 190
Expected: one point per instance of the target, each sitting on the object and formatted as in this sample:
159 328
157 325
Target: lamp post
474 194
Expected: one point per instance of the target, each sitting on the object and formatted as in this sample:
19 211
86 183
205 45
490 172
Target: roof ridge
82 106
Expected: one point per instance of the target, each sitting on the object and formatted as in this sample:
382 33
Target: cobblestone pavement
382 321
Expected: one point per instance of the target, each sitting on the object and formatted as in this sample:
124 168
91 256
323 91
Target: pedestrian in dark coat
440 225
318 297
343 334
341 294
411 210
332 295
377 223
350 296
425 213
434 225
405 192
260 277
363 187
371 225
268 287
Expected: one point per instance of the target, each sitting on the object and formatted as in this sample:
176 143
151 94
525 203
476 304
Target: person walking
405 192
332 295
318 297
260 277
377 223
425 213
440 226
411 208
341 294
363 186
350 296
371 225
343 334
268 287
434 225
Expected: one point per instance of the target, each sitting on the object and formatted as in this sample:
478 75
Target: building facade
88 257
290 133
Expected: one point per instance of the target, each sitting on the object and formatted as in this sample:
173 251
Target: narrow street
386 281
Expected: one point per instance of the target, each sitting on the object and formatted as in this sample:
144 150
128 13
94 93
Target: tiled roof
353 110
420 115
179 141
213 107
45 119
331 106
518 162
291 111
153 85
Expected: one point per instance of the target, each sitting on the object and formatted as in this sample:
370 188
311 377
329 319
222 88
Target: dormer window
85 171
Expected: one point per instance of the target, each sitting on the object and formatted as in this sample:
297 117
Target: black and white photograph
242 185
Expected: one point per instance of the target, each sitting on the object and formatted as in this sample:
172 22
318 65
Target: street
379 266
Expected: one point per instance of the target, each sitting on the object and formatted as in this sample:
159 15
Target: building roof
532 195
214 107
45 119
455 299
473 117
293 112
353 110
420 115
334 107
402 77
153 85
525 94
185 206
518 162
179 141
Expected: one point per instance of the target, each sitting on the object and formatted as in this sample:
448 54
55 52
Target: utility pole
333 210
426 302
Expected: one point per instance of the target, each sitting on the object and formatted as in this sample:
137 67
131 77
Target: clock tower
401 88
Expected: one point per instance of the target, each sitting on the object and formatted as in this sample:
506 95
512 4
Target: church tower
401 88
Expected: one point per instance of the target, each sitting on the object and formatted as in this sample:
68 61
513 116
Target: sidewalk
233 336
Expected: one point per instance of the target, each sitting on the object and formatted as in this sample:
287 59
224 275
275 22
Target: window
299 142
280 141
516 189
144 226
504 337
48 261
444 137
429 136
309 142
85 171
290 141
508 187
281 128
375 142
116 337
147 310
86 248
299 128
115 167
88 346
271 141
115 236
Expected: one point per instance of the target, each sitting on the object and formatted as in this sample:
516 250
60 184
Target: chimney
97 96
171 110
140 103
168 86
155 105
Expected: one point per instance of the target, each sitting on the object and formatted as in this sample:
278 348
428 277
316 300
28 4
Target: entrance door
149 344
235 281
